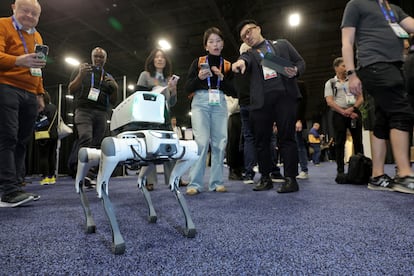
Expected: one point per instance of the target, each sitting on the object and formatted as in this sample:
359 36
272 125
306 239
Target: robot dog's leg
188 153
145 170
114 150
87 158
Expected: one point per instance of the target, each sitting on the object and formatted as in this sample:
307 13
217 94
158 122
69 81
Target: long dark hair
150 67
209 31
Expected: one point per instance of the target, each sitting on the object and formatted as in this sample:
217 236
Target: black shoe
264 184
341 178
15 199
289 186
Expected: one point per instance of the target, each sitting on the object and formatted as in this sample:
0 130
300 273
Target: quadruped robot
141 140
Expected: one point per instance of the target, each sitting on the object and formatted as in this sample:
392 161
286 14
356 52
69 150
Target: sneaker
35 196
192 191
381 183
277 177
302 175
44 181
52 180
15 199
221 189
404 184
248 179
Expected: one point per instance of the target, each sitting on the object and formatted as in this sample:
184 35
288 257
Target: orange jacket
11 46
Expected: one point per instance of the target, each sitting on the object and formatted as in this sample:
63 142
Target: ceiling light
164 44
72 61
294 20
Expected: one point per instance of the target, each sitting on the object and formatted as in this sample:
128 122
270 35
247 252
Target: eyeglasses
247 33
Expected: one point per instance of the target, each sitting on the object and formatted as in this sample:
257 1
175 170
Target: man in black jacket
273 98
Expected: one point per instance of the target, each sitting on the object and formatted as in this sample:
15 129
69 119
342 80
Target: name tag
350 99
399 32
93 94
214 97
269 73
36 72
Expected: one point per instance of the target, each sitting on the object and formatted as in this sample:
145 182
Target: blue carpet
324 229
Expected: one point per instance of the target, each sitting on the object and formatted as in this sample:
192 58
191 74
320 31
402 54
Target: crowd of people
248 112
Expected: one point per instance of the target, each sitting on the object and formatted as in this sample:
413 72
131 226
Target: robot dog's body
137 120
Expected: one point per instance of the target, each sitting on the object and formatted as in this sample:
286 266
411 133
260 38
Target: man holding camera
21 96
94 90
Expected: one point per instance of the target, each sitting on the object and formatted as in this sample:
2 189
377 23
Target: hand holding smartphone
206 66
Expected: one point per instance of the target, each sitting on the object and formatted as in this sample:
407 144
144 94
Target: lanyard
218 78
387 11
26 51
93 79
269 50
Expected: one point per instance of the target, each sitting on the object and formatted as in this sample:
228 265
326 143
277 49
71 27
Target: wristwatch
350 72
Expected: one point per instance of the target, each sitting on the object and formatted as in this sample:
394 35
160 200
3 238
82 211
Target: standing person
315 140
47 147
21 96
158 72
346 115
234 155
273 98
300 139
207 81
377 29
242 86
94 90
176 128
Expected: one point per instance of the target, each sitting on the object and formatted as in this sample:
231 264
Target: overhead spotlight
294 19
131 86
164 44
72 61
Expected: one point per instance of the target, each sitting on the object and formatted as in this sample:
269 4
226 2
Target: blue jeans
316 156
18 111
249 150
302 152
209 123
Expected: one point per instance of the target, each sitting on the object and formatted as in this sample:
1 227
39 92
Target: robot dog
141 141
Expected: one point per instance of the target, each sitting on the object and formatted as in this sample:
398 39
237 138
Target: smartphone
175 77
206 66
41 51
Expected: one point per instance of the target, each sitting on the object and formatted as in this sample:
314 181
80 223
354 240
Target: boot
289 186
264 184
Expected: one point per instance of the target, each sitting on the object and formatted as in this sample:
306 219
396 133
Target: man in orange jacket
21 96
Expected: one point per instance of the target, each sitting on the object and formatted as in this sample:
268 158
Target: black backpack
359 169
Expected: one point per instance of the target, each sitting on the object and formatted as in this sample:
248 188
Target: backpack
359 169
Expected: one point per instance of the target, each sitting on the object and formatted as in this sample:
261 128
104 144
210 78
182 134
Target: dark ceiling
130 29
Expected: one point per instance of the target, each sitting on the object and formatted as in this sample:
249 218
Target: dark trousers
234 154
47 156
18 111
249 148
279 107
341 124
91 127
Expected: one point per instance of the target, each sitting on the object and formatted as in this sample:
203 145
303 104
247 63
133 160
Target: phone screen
42 51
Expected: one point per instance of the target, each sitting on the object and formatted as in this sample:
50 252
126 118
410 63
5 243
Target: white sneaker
302 175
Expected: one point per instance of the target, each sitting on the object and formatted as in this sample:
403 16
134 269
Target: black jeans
341 124
18 111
